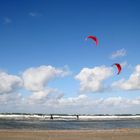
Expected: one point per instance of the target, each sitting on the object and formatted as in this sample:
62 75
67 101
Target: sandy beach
118 134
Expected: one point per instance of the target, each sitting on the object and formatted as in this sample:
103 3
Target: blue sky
52 32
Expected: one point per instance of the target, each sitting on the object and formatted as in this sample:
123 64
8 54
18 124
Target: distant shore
113 134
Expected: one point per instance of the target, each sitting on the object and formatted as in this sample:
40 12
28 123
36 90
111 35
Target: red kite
94 39
118 67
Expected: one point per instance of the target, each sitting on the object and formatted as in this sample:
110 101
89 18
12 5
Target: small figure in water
51 117
77 117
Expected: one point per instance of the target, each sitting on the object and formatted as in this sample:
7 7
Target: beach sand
118 134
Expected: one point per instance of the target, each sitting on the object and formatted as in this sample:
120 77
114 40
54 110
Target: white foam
65 117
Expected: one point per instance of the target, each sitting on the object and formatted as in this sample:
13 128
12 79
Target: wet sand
117 134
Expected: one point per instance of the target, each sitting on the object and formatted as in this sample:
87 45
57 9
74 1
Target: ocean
68 124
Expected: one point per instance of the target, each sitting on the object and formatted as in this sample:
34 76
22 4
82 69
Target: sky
48 66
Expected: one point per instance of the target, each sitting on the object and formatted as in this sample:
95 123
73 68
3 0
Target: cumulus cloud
123 64
113 101
83 100
9 83
85 104
80 104
91 79
118 53
36 79
14 98
44 96
133 82
72 100
67 104
38 97
120 102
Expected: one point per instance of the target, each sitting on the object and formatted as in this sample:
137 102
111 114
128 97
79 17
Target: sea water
69 124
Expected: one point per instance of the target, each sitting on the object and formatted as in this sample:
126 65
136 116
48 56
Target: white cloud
83 100
91 79
49 100
121 102
44 96
133 83
123 64
13 102
7 20
9 83
84 104
14 98
36 79
118 53
72 100
38 97
113 101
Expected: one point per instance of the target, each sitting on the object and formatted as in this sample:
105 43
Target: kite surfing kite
118 67
94 39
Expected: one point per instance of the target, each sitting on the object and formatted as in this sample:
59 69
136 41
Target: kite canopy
118 67
94 39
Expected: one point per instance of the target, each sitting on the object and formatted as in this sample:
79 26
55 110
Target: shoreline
72 130
111 134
